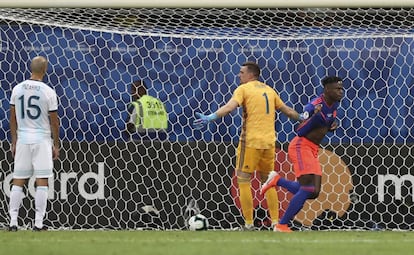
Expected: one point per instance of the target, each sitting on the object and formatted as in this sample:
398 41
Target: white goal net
189 59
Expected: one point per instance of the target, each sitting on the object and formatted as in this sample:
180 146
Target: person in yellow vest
148 113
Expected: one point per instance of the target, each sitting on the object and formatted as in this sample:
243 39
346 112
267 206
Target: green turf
208 242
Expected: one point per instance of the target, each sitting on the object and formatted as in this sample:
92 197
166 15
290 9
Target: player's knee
241 179
263 178
313 195
313 192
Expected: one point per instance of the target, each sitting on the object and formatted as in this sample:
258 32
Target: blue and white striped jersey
33 100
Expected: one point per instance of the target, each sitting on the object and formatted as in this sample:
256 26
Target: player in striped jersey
256 149
33 124
320 118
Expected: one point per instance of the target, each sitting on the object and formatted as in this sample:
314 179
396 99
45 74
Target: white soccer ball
197 222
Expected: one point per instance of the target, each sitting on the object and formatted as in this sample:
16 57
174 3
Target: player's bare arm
13 129
54 124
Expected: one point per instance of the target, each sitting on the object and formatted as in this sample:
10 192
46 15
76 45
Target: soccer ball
197 222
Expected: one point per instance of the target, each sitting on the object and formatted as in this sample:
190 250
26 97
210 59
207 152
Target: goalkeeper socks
291 186
40 204
16 197
296 204
273 205
246 199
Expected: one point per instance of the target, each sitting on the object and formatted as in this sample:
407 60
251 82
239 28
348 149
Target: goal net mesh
189 59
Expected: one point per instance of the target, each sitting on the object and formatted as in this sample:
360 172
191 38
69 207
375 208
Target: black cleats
12 229
36 229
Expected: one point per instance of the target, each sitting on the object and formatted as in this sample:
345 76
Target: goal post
189 58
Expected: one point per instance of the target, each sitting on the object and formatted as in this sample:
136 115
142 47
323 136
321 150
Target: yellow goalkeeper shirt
259 102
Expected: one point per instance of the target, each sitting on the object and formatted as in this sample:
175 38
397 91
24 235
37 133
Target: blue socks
291 186
297 202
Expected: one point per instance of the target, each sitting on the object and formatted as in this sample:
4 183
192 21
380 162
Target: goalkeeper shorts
249 160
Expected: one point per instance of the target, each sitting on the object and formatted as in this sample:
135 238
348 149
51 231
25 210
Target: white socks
16 197
40 204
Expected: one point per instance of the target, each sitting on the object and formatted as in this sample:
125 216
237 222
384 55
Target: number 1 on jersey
267 102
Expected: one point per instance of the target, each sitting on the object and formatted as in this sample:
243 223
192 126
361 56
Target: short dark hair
252 67
140 87
139 83
331 79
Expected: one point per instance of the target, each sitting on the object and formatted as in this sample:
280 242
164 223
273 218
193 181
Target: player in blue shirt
320 118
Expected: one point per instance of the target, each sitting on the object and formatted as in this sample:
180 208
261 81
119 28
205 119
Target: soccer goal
189 58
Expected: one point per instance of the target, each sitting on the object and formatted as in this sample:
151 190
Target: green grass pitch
206 242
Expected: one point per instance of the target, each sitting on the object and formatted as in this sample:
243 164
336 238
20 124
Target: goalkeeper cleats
249 227
271 181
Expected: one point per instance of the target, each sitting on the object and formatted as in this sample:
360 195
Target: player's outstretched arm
202 120
291 113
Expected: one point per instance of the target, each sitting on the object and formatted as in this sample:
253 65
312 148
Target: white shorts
33 160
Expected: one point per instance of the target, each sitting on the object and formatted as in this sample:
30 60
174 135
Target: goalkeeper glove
202 120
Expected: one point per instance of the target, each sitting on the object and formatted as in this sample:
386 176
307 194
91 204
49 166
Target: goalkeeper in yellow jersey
256 149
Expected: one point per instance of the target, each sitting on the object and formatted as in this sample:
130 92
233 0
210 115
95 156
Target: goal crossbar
204 4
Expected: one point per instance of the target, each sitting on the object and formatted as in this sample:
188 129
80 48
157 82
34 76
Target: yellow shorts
249 160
